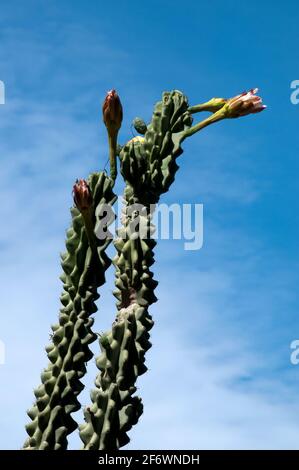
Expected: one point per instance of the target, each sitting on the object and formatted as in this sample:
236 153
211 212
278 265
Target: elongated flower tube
84 269
148 164
241 105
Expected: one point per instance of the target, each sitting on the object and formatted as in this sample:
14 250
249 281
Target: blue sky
219 369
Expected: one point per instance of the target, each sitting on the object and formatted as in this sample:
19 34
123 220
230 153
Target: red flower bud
82 195
112 112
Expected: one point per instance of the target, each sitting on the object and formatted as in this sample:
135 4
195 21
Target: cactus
148 167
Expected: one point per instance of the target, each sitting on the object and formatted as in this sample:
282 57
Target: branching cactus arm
84 265
114 409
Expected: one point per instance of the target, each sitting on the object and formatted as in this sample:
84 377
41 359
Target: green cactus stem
84 269
148 167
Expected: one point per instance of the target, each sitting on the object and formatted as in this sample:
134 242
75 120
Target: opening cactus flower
82 195
112 112
137 139
245 103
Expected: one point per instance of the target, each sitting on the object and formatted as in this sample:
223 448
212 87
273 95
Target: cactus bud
137 139
139 125
82 195
112 112
212 106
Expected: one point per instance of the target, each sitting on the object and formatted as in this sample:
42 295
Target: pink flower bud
112 112
245 103
82 195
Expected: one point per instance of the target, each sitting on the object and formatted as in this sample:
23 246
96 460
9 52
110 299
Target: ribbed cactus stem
112 140
84 269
